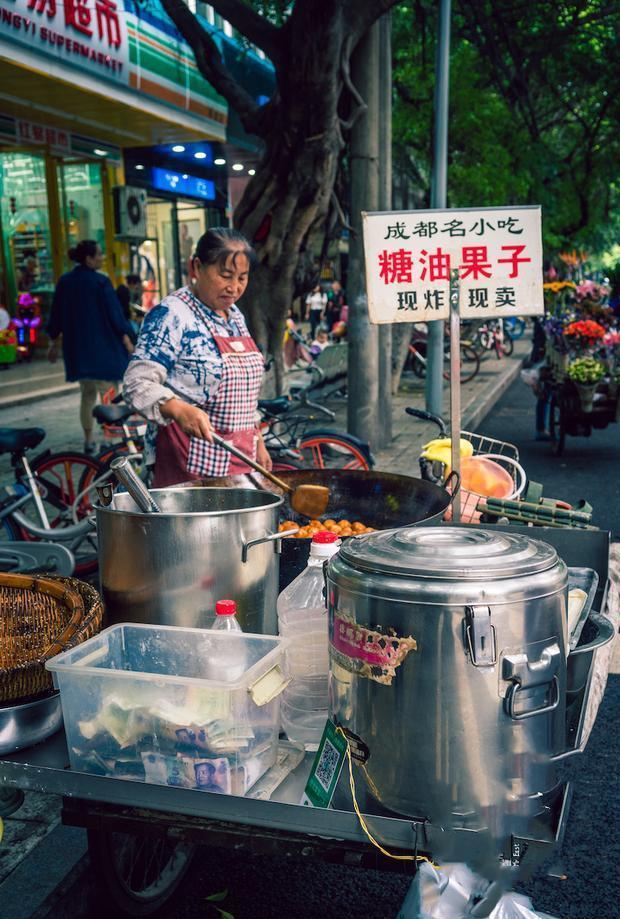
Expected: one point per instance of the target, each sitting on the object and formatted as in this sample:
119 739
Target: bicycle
38 504
493 335
503 456
469 363
294 444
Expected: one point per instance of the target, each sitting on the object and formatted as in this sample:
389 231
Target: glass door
192 223
24 218
81 203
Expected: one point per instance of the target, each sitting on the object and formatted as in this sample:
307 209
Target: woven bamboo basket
40 617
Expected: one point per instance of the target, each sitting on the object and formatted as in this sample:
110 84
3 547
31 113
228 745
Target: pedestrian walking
315 309
96 337
335 303
196 370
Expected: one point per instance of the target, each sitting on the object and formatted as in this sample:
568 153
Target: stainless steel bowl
28 724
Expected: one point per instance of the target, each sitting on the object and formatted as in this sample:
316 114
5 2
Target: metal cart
141 837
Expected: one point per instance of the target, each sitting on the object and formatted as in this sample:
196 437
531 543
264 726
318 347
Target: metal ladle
126 474
308 500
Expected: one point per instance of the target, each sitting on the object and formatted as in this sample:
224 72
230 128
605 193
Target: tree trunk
363 379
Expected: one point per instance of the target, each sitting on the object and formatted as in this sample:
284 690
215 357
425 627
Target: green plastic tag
326 768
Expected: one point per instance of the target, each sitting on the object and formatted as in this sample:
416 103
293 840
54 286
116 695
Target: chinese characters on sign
55 138
89 32
497 253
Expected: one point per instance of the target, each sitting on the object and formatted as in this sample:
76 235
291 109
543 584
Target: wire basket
39 618
503 454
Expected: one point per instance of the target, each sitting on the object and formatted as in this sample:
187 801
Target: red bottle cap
225 608
324 537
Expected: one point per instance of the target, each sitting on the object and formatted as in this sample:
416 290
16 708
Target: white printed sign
409 255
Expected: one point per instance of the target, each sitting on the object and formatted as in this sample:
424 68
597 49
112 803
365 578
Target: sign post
464 263
455 389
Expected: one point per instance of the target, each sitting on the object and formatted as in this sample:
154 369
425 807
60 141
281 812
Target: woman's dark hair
87 248
216 245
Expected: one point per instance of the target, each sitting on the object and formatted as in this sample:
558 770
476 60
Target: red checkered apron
232 410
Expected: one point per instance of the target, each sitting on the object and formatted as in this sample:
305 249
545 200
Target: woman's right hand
192 420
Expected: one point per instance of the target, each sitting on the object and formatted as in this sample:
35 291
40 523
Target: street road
260 887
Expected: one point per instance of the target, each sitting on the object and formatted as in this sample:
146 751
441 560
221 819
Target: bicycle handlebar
423 415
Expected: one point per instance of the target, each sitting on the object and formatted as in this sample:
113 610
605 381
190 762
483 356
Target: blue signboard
183 184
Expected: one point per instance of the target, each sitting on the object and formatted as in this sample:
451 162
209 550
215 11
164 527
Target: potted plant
586 373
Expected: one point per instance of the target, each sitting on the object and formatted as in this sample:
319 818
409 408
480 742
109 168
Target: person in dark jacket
96 337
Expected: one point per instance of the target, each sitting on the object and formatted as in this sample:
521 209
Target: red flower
585 329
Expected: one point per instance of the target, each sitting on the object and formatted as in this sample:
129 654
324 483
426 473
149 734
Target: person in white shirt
4 318
315 309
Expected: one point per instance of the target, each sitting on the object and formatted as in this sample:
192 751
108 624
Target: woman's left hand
263 456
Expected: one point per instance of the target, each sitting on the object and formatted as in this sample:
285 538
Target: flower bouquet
584 334
586 373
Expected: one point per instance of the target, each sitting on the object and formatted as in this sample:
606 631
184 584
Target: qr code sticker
328 765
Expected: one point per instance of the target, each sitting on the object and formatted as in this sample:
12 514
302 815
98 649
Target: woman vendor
196 369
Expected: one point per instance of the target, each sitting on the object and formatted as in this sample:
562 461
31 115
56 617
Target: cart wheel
557 427
136 874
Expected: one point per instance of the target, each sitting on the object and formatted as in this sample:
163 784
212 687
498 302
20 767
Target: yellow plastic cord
364 825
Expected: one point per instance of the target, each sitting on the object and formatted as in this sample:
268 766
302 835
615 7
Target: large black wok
379 499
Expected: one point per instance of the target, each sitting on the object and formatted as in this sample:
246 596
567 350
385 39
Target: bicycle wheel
62 477
469 364
508 344
332 451
136 875
557 426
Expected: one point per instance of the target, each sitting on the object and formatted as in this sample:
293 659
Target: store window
81 202
25 225
192 223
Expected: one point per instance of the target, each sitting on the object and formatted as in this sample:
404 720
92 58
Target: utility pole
439 186
363 338
384 125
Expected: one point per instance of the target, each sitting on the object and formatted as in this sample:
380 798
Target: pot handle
452 481
606 632
511 695
274 537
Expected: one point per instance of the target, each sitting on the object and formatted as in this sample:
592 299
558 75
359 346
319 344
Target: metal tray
25 725
585 579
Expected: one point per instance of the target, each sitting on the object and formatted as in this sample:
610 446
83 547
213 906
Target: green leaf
217 897
224 914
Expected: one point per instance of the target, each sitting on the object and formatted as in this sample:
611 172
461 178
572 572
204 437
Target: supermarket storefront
81 80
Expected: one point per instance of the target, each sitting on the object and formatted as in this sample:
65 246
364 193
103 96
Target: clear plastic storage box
192 708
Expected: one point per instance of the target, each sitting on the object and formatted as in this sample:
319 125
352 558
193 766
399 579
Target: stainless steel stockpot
448 652
207 544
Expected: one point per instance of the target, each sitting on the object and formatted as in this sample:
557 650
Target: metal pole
455 387
363 338
384 125
439 184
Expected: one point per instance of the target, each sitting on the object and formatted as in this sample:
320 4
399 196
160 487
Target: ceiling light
237 167
139 167
219 161
185 175
99 152
178 148
251 172
200 155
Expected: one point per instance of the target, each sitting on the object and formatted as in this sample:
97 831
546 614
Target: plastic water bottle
226 617
302 617
227 661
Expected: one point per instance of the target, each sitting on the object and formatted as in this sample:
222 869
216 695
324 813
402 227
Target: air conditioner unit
129 212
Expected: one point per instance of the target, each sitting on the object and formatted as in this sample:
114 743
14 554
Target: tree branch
255 28
211 66
345 70
361 14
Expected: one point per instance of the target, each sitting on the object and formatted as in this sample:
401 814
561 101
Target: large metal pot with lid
448 651
205 545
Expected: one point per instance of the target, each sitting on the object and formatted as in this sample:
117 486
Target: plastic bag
455 892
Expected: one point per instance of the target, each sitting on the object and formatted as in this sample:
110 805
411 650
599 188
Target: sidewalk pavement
32 381
25 851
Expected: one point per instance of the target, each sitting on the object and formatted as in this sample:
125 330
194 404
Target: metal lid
451 553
